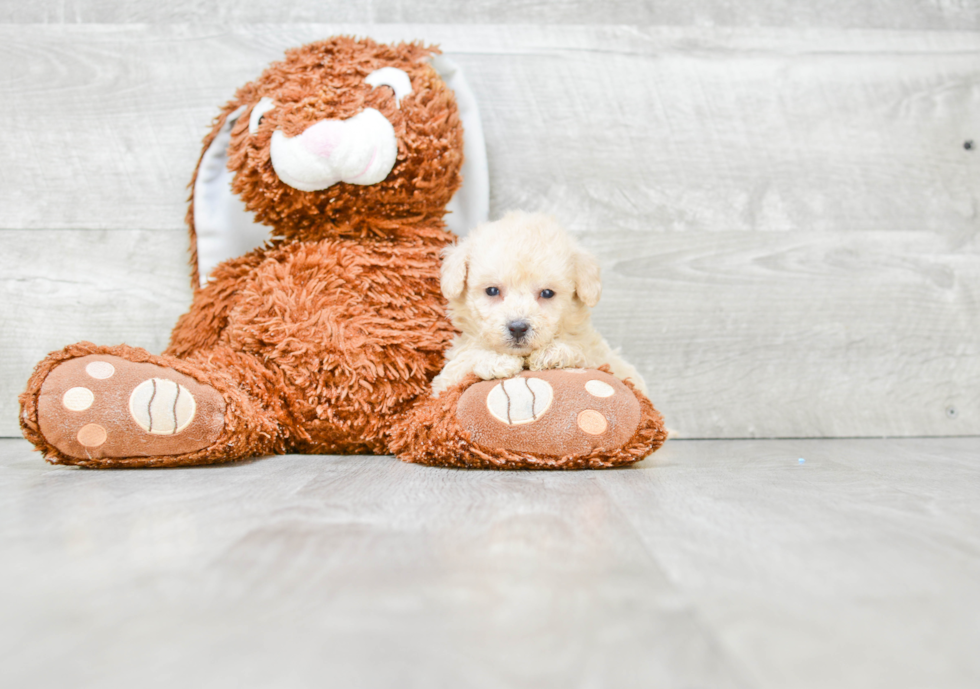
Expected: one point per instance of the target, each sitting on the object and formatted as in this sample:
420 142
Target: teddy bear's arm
201 327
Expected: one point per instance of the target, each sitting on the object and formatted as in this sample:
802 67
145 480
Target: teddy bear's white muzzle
359 150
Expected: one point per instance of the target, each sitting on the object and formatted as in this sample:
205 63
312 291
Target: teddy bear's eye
492 291
396 79
258 112
547 294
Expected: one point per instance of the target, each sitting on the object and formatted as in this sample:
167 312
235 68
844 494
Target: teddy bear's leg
121 406
555 419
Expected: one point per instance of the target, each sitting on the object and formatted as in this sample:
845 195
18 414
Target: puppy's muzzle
518 331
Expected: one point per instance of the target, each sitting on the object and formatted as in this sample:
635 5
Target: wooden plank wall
781 197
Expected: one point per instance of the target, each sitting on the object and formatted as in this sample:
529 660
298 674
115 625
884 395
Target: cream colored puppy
520 290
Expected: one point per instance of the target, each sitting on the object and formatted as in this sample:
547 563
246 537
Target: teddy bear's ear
223 228
454 264
470 205
588 282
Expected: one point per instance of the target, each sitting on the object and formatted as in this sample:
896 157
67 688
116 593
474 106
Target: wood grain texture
798 334
712 564
854 568
787 219
658 129
874 14
64 286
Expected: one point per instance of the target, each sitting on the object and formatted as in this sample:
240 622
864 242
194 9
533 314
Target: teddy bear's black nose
518 329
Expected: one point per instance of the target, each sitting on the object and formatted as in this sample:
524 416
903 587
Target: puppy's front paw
440 384
499 366
556 355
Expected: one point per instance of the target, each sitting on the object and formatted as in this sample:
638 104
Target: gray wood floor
711 564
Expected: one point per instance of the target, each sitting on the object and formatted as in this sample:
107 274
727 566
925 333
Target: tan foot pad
558 413
105 406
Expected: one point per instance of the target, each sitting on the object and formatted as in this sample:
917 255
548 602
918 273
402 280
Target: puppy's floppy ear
453 274
588 283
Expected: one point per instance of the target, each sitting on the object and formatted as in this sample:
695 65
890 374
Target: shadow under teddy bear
325 338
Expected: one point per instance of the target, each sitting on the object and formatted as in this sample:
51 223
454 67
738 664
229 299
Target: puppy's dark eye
547 294
492 291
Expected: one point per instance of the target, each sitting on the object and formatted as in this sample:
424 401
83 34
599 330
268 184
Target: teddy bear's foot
557 419
99 408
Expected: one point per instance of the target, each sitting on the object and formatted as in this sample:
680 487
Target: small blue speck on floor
802 460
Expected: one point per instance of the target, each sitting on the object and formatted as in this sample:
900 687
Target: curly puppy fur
520 290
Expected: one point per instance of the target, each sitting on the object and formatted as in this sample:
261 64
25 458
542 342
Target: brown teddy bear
325 338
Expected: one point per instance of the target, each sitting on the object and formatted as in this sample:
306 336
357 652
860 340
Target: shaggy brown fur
246 431
326 80
318 339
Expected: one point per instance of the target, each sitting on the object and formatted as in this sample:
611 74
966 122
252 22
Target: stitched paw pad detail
162 407
106 406
558 412
520 400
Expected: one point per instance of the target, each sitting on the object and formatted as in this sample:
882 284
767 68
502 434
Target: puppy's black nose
518 329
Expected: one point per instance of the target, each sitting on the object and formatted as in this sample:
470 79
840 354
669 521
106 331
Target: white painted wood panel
656 129
876 14
796 333
787 219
